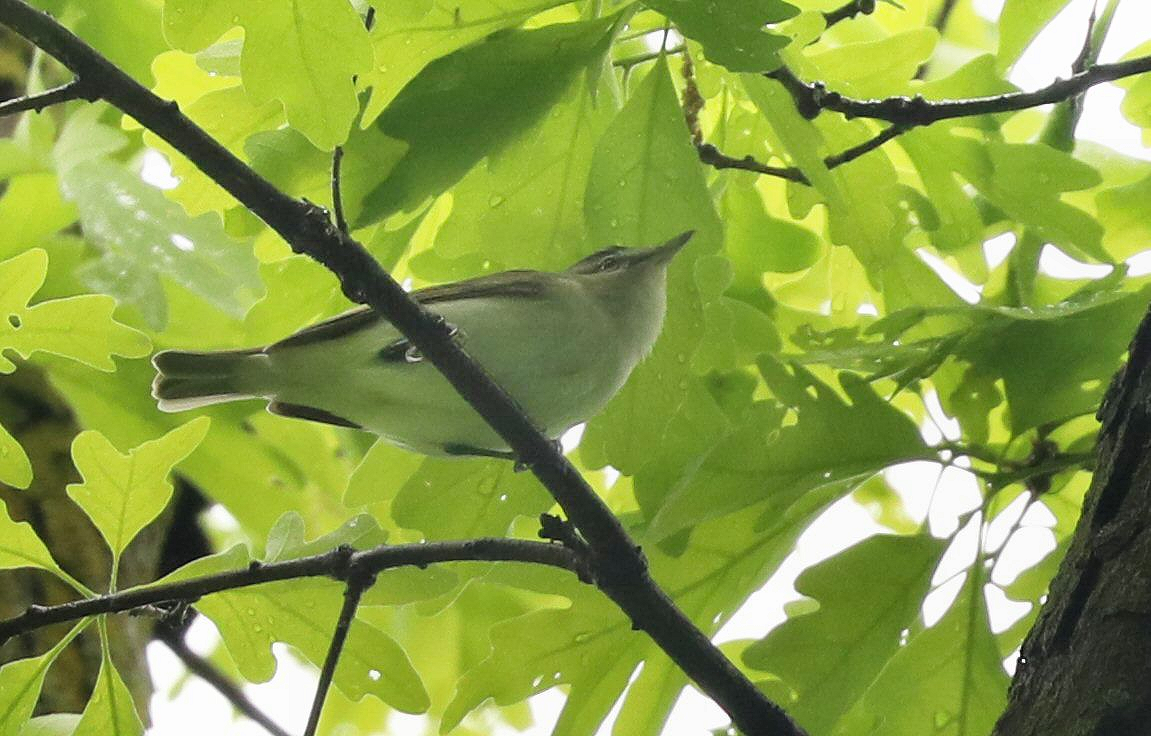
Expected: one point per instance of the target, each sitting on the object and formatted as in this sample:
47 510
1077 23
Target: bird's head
630 284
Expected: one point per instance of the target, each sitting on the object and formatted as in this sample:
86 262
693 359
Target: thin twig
712 156
338 152
628 62
357 583
811 98
210 674
849 10
618 565
335 564
940 23
74 90
337 197
1059 132
943 15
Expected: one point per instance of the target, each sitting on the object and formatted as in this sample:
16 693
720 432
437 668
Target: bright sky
198 709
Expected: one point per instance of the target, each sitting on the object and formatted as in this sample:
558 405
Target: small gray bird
562 344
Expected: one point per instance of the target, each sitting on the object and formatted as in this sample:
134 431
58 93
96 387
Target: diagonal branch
358 582
74 90
812 98
209 673
617 564
336 563
711 155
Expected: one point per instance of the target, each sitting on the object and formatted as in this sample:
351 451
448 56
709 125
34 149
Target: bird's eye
608 263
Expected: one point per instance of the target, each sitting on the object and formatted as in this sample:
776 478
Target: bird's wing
519 284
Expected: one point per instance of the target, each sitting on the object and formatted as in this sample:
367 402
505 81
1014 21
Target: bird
562 344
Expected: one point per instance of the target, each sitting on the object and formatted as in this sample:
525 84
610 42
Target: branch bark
358 581
712 156
74 90
1084 667
812 98
337 563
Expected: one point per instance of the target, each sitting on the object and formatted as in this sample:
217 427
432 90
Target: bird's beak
664 253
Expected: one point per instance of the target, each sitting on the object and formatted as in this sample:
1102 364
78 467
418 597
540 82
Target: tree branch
358 582
74 90
812 98
617 565
337 563
711 155
210 674
849 10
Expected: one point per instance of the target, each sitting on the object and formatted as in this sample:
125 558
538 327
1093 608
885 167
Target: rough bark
1085 668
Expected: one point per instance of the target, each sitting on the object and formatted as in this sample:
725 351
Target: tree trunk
1085 668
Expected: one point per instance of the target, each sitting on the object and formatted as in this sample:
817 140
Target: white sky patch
1052 52
996 250
156 171
1139 264
1057 264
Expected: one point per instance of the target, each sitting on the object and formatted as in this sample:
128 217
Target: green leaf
304 54
1019 22
645 186
525 205
21 681
1026 181
15 467
229 116
592 649
123 493
832 445
236 557
867 596
31 192
144 236
959 222
893 61
465 498
588 646
20 546
437 113
303 613
732 34
110 710
948 679
1040 383
1127 230
380 474
78 327
126 31
286 540
53 724
409 36
757 242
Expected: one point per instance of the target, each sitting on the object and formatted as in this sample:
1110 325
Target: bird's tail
191 380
